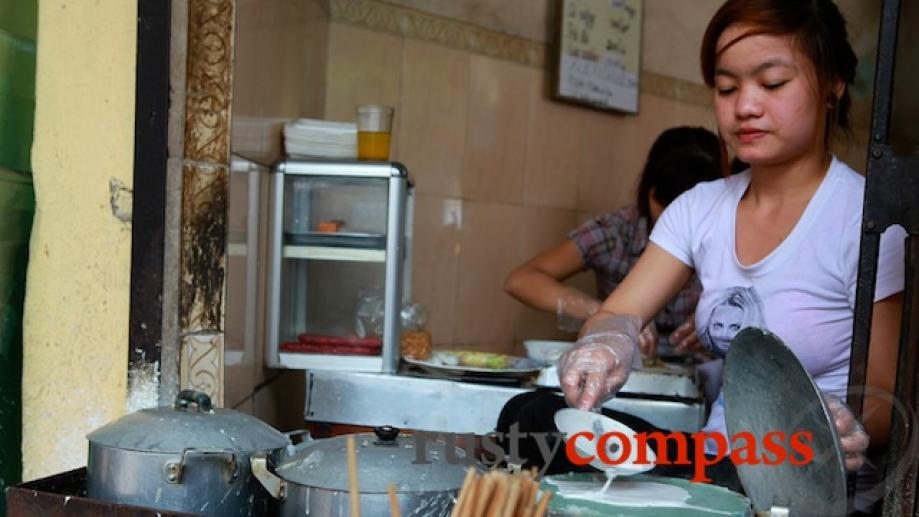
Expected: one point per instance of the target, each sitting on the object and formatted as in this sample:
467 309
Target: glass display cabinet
338 256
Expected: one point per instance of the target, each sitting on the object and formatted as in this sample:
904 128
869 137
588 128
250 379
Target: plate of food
459 362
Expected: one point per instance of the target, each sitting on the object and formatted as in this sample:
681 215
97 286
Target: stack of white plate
320 138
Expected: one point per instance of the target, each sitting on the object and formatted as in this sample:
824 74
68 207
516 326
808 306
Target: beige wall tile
525 18
258 138
690 115
489 250
364 68
235 322
553 141
496 130
614 149
543 229
612 153
265 402
672 36
435 259
240 374
269 65
433 113
316 48
585 281
202 367
659 113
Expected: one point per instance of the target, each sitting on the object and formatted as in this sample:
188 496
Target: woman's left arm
882 368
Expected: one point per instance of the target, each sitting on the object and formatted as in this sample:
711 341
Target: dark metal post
891 195
150 154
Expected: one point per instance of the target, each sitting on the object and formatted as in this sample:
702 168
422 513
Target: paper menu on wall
600 47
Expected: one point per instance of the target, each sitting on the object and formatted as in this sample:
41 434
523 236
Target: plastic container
546 351
374 127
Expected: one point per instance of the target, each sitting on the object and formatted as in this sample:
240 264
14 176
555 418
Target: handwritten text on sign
600 52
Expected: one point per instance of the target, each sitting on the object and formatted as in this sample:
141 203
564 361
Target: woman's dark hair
679 158
817 27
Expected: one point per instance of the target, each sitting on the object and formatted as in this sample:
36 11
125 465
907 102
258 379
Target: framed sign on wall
599 53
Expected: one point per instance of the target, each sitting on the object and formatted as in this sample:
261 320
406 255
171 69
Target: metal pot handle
306 439
275 486
199 398
174 469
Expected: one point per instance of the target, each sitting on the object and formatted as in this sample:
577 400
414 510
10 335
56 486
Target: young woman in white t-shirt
775 246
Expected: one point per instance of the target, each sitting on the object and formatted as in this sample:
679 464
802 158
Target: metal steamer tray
338 239
766 389
676 383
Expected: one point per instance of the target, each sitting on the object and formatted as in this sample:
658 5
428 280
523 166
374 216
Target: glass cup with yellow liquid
374 126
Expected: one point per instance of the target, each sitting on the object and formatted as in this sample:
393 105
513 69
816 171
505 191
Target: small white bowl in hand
546 351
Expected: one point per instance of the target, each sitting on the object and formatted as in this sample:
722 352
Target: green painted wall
18 23
17 82
17 205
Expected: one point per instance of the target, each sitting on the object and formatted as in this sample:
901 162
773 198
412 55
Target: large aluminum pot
183 459
314 481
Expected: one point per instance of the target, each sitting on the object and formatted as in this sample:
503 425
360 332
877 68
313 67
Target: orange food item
416 345
330 226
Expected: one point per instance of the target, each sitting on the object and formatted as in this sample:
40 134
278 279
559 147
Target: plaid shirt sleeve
610 245
601 240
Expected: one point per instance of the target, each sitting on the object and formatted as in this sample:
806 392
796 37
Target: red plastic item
334 345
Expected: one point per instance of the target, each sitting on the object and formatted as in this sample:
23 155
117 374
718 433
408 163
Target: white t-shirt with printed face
803 291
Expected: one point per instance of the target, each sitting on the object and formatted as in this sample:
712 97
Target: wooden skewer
527 493
352 478
543 503
486 489
393 501
496 505
513 494
475 492
463 497
498 494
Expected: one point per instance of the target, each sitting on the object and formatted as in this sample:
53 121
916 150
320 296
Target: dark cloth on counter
534 413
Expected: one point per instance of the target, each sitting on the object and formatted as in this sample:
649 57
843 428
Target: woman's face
726 322
765 98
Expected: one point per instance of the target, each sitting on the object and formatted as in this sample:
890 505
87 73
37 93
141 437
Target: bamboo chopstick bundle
499 494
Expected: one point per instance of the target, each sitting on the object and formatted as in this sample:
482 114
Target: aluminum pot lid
766 389
191 423
416 463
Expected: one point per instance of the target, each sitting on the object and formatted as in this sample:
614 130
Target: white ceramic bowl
546 351
573 421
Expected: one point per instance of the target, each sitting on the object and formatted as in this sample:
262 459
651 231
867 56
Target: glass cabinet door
334 276
333 271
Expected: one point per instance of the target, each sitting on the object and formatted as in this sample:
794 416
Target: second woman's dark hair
679 158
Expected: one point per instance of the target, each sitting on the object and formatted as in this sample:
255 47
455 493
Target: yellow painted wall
76 311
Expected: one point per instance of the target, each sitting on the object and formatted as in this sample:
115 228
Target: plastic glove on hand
599 363
852 436
573 309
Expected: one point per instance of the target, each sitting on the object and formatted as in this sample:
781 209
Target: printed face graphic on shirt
734 309
725 323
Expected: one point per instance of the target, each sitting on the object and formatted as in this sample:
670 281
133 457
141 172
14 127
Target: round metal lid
766 389
174 429
381 460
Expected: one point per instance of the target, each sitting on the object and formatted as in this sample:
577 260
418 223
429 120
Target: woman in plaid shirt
610 244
